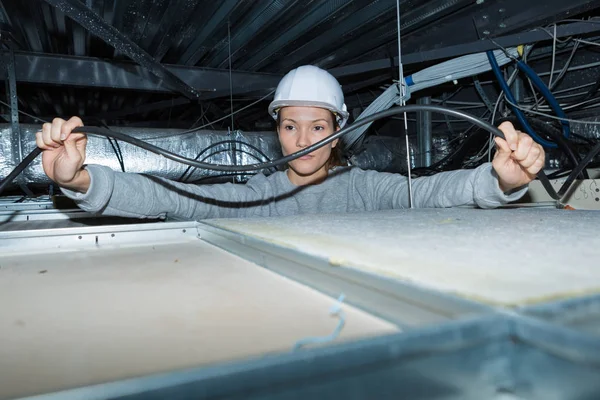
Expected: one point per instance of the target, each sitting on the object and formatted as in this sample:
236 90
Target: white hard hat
310 86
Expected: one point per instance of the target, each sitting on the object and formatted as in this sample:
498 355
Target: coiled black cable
284 160
213 145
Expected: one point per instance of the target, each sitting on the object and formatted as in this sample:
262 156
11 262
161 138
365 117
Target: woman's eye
319 128
288 127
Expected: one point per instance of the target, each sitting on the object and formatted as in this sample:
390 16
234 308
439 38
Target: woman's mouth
306 157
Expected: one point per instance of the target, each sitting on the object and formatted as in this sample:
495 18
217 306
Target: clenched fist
518 159
63 153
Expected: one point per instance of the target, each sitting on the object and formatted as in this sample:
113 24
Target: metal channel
94 237
12 205
40 214
401 303
11 93
91 21
64 70
573 29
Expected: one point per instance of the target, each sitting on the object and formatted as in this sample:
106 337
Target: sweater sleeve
476 187
140 196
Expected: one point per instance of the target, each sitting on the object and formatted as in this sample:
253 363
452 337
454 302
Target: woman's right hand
63 153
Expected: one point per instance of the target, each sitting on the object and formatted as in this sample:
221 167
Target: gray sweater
345 190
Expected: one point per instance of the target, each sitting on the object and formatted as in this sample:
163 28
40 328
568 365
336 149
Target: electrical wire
116 148
208 177
577 170
214 153
508 94
579 121
20 168
553 58
224 142
283 160
24 113
435 166
541 86
563 72
227 116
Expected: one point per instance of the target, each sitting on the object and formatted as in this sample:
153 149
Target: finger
57 124
510 134
532 156
80 145
502 145
503 151
68 126
539 163
47 135
524 145
71 150
39 141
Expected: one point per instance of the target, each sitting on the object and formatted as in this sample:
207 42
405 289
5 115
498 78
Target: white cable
553 57
458 68
461 67
230 114
577 68
578 121
587 42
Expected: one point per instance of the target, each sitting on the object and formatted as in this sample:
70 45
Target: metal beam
574 29
144 108
321 11
11 94
197 48
424 138
91 21
262 14
383 34
331 39
96 73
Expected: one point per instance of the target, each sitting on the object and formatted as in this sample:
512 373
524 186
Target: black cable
115 146
461 147
434 167
119 156
284 160
577 170
20 168
591 92
258 150
586 139
208 177
561 173
214 153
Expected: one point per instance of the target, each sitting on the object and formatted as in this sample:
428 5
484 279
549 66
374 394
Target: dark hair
336 158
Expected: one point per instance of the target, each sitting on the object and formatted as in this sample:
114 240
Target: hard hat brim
276 105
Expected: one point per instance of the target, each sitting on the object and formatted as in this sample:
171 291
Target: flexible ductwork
99 151
380 153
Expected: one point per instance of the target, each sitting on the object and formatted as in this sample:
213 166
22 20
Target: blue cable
511 98
535 79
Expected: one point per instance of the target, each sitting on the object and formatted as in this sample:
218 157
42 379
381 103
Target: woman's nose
302 139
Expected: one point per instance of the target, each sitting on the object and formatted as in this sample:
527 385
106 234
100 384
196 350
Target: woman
308 106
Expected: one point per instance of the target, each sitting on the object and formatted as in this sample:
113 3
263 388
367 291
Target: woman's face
300 127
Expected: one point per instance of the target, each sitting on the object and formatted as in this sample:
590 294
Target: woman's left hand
518 159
